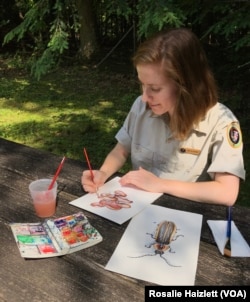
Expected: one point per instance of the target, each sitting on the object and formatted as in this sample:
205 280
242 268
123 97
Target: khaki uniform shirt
214 146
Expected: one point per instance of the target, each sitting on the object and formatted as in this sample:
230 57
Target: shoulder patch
234 135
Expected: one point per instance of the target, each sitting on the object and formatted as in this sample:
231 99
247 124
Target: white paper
239 246
176 267
139 200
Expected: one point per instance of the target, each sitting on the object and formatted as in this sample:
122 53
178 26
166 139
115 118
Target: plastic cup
44 200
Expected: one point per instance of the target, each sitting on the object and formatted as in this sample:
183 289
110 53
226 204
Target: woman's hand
91 185
113 162
142 179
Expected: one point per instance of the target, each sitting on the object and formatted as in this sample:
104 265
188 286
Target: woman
182 141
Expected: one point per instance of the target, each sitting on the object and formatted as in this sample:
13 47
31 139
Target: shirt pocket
152 160
169 164
141 157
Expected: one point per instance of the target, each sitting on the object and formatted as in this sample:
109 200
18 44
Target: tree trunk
88 41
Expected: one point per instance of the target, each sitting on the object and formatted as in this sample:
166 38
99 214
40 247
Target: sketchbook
116 202
55 237
161 246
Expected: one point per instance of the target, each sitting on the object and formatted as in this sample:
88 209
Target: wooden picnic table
81 276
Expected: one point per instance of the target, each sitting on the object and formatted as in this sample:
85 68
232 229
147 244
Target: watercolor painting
160 245
165 233
113 201
116 202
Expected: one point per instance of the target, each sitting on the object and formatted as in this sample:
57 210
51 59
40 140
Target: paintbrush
57 173
90 168
227 247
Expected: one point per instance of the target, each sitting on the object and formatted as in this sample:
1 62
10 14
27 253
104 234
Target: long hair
183 60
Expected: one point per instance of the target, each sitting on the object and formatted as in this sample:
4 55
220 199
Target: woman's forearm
114 160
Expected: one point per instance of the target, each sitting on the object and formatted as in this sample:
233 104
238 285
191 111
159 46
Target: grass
71 108
67 110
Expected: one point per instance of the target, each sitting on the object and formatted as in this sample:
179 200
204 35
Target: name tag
190 151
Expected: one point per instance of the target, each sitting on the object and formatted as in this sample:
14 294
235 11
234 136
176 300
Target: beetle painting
164 234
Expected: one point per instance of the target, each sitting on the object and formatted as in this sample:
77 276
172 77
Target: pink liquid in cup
44 200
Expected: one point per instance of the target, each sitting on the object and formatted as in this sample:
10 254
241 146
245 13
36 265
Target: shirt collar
202 127
209 119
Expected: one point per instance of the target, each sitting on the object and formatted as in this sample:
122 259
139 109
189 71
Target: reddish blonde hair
183 60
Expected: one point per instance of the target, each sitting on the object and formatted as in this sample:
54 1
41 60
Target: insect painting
113 201
165 233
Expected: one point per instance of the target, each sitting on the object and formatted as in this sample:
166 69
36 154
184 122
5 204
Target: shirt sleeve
227 149
125 134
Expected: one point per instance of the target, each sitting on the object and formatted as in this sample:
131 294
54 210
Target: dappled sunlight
106 104
31 106
22 82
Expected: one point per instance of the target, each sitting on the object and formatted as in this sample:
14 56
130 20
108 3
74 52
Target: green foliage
56 46
51 27
42 65
231 22
58 39
155 15
118 8
47 27
34 22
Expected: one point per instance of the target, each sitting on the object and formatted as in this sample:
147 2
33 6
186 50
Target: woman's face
157 91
